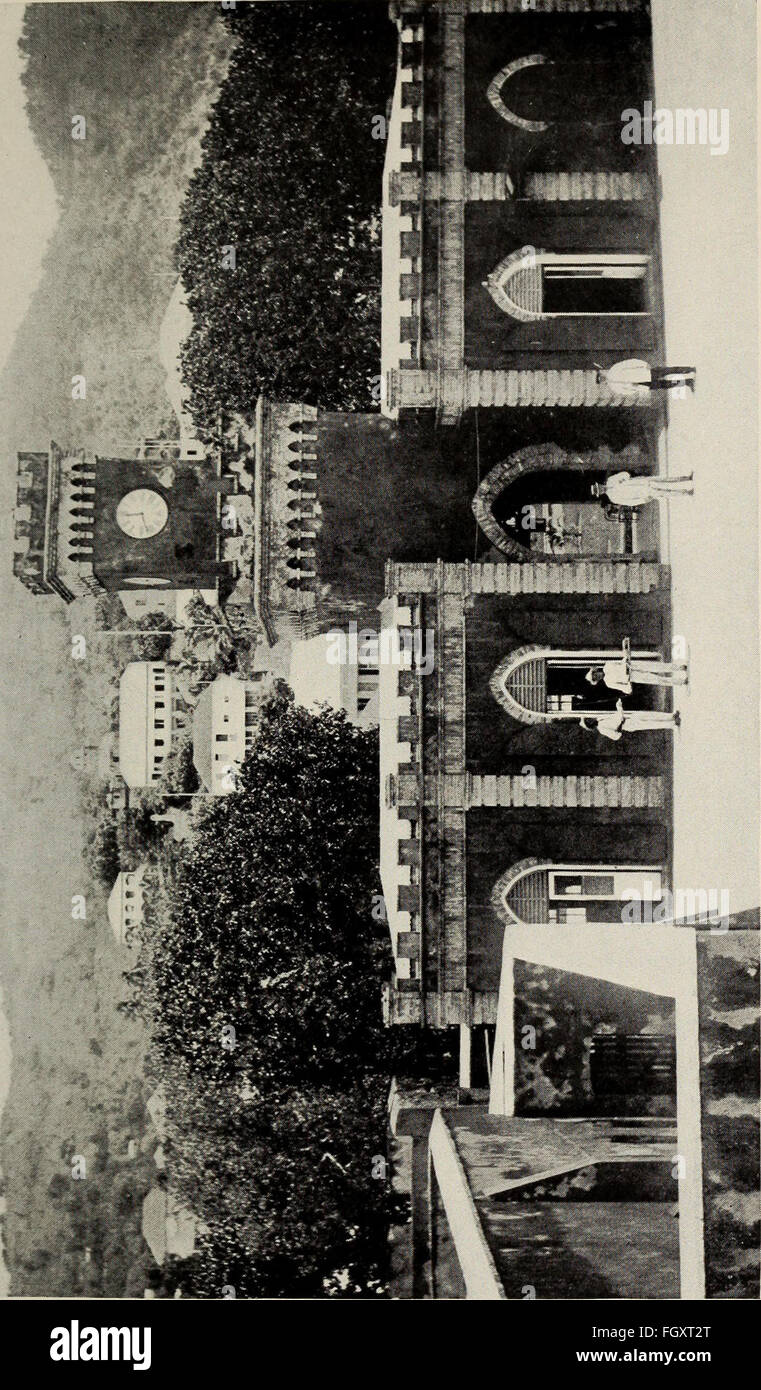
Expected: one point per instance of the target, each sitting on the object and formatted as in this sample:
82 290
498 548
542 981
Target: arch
520 682
526 283
494 92
543 458
507 884
519 685
535 892
522 271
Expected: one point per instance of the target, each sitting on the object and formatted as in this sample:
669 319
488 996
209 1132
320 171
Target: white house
172 602
146 721
125 904
169 1228
334 670
224 725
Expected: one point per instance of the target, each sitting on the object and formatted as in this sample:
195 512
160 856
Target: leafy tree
102 852
264 1005
290 181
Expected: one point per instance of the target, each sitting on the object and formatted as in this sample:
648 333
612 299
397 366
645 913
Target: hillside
145 77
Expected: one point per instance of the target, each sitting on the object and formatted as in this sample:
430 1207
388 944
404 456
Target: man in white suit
625 490
630 721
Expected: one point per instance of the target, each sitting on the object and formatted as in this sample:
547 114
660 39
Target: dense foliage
291 180
264 1002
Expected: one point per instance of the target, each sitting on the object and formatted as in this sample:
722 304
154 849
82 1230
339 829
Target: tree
263 1001
290 184
268 918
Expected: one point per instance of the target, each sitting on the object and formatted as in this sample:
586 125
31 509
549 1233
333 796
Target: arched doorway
538 504
539 685
532 284
534 892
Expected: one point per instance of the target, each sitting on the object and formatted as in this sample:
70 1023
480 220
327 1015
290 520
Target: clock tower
85 524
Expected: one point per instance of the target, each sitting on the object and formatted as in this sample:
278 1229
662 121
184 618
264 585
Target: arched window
539 685
535 892
496 92
530 284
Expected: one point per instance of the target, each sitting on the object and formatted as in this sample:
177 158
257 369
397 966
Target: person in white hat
625 490
629 671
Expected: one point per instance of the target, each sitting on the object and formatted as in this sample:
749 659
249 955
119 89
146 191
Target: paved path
704 57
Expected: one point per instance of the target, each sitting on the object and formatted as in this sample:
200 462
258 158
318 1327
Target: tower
85 523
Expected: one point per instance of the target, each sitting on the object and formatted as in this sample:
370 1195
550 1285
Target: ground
705 57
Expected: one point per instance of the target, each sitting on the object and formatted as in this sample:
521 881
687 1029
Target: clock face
142 513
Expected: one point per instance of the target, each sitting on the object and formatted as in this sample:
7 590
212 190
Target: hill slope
144 76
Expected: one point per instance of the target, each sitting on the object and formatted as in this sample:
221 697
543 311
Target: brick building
520 231
495 802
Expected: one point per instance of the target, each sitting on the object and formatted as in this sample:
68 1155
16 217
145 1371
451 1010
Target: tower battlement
287 519
54 523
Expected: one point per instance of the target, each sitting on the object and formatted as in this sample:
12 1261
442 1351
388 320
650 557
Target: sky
28 209
28 213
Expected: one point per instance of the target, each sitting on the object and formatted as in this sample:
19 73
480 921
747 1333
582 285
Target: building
224 727
497 806
150 520
332 670
519 251
519 230
336 495
156 1107
169 1228
125 905
147 719
173 603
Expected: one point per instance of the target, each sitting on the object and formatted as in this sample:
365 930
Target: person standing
634 375
625 490
629 671
630 721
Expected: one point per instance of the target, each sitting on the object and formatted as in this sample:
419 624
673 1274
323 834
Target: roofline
261 530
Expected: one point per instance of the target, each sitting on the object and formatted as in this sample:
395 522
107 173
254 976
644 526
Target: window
531 892
532 285
582 885
589 287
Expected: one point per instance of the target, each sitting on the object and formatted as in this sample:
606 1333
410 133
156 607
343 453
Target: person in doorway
625 490
629 721
629 671
633 375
